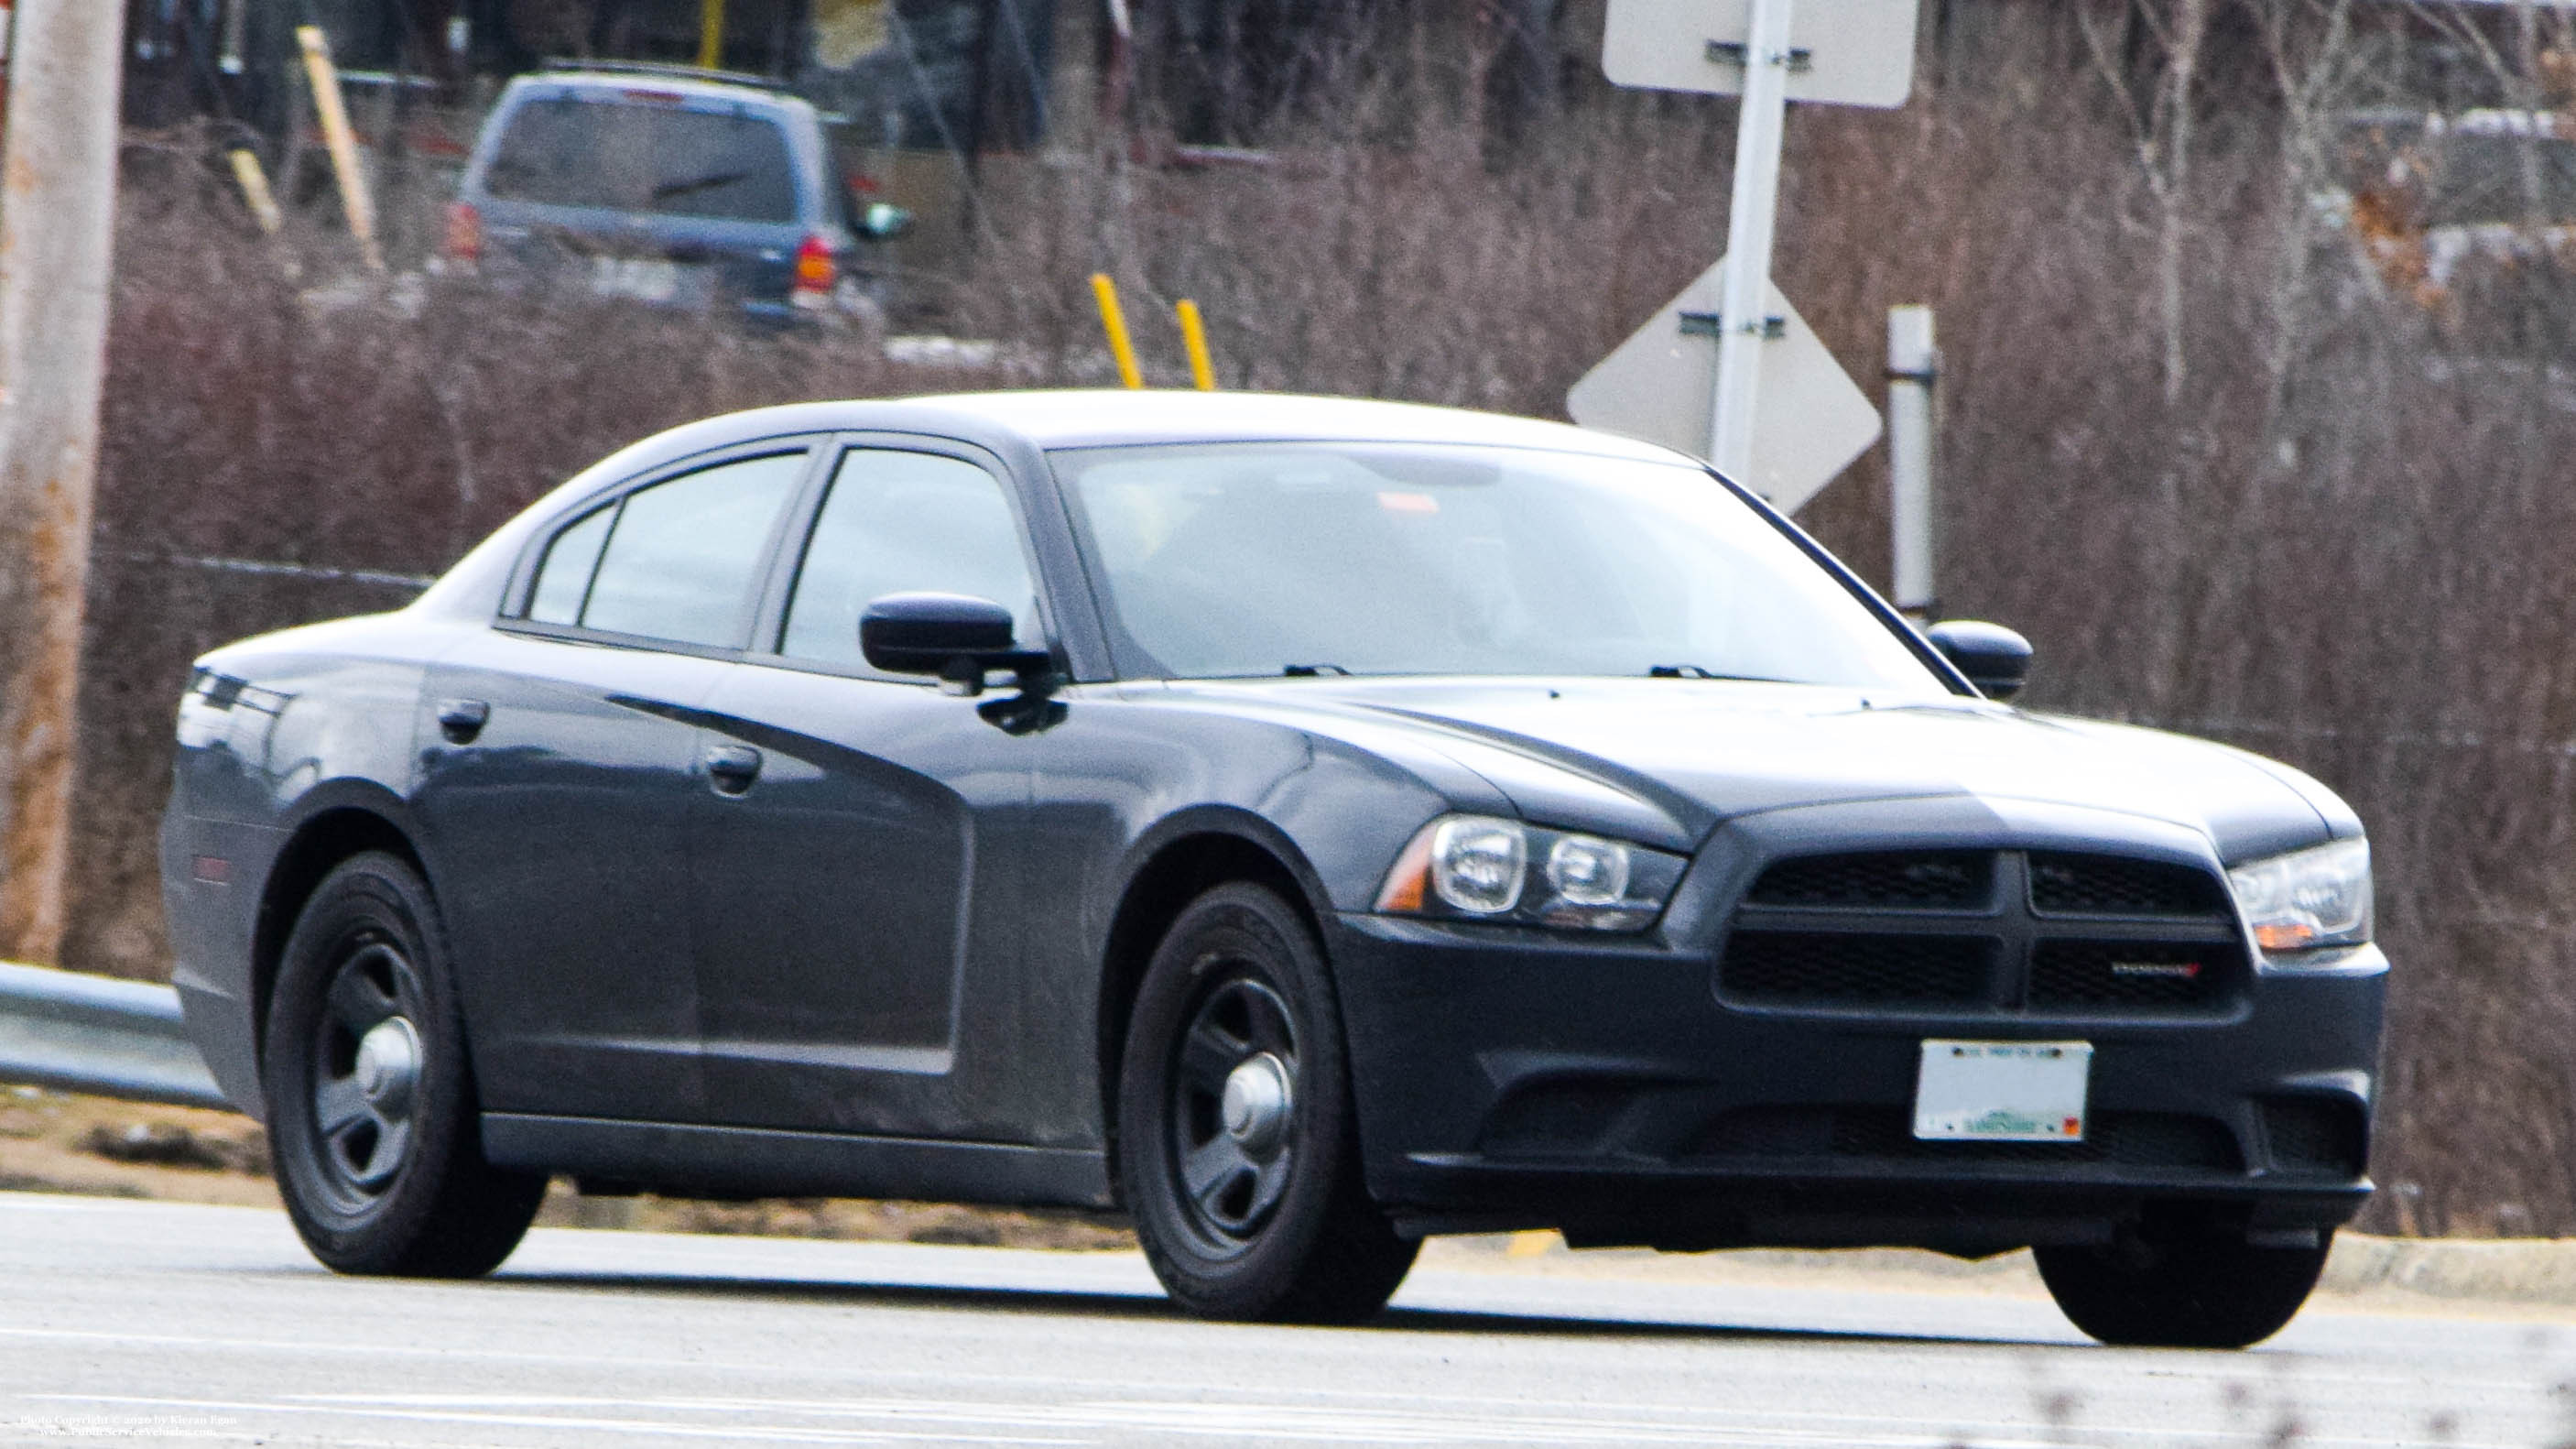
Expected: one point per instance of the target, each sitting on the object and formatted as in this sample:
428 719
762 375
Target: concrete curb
2527 1271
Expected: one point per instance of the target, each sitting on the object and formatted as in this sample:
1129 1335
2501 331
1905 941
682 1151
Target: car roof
1074 418
1115 417
676 81
1022 424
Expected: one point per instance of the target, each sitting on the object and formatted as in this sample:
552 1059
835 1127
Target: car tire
2181 1288
1238 1149
372 1124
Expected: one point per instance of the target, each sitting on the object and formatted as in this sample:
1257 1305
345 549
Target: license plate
2002 1091
647 279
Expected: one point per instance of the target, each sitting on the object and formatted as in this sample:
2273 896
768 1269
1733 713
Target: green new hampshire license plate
2002 1091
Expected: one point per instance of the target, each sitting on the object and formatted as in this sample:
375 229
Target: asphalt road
156 1323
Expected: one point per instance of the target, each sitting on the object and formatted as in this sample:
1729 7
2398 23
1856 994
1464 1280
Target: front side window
1250 559
646 156
896 523
677 561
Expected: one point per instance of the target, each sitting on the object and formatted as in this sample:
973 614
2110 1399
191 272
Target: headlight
2307 898
1479 868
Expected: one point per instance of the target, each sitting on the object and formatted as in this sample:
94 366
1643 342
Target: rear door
559 771
858 894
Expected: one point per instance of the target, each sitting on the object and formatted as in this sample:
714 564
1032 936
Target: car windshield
646 157
1243 560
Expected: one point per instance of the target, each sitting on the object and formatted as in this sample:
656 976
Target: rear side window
563 580
647 156
677 561
898 522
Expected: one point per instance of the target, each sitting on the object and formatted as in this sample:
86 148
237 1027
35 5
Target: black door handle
732 768
462 719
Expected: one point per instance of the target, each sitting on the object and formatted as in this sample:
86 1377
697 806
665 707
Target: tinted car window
897 522
683 556
1253 559
646 156
563 580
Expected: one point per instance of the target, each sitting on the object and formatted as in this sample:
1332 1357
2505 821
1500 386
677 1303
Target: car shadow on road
1081 1303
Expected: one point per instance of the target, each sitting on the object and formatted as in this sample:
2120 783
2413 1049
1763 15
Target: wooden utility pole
57 224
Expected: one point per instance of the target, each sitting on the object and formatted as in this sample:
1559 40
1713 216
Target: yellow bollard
341 141
710 34
255 192
1114 322
1194 337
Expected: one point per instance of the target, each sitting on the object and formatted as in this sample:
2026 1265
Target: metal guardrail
84 1033
381 578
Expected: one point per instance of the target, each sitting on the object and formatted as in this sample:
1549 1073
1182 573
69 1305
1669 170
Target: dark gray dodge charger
1305 825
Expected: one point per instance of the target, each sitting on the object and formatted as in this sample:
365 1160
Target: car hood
1688 754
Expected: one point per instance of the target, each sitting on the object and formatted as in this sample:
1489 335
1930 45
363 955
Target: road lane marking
735 1432
1184 1416
1271 1421
2310 1376
1263 1421
1802 1424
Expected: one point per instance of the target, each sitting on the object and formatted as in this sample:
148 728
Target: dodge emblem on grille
2178 970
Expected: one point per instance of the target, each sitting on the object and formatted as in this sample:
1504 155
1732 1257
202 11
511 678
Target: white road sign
1846 52
1657 386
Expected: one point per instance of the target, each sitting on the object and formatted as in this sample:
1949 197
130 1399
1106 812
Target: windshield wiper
1693 671
1309 671
669 189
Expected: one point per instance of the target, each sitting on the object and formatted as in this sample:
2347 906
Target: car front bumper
1509 1078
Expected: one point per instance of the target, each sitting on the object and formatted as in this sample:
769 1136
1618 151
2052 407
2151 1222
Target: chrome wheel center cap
1259 1098
389 1064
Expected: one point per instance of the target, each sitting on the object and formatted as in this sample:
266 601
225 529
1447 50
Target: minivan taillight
464 232
816 271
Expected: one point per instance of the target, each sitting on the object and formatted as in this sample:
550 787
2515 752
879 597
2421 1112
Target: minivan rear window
647 156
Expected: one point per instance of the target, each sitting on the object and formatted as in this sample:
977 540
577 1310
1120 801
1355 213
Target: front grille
2126 1139
2111 885
1952 879
2132 973
2028 932
2314 1135
1836 967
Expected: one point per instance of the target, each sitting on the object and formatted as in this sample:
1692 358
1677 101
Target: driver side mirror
958 638
1995 659
962 639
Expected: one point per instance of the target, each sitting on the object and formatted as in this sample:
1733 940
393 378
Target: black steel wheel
2181 1285
1237 1149
371 1115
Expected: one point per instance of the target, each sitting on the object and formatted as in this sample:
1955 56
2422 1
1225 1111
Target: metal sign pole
1911 368
1743 319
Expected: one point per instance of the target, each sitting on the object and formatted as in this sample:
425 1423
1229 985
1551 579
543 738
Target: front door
856 861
